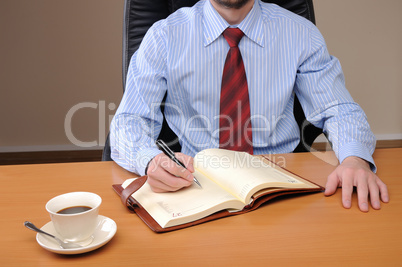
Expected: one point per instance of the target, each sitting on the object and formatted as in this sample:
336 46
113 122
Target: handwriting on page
173 211
165 206
280 177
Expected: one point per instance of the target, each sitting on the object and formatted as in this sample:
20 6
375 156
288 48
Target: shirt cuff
358 150
144 157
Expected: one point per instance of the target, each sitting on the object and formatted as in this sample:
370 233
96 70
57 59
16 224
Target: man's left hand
356 172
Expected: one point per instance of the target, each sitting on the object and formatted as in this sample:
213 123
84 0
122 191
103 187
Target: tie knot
233 36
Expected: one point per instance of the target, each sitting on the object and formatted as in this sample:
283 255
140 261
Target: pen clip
162 146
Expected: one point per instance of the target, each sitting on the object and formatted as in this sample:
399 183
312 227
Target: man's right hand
164 175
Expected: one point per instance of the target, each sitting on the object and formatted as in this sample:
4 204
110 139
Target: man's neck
233 15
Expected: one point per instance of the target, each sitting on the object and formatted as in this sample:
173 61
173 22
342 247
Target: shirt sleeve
320 87
138 120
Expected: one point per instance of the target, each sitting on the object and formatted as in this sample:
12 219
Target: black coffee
72 210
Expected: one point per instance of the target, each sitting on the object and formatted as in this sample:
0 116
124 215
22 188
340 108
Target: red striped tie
234 122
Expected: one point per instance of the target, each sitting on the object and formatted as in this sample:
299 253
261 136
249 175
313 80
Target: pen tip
198 183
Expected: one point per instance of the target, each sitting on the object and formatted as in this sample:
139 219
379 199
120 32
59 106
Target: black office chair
139 15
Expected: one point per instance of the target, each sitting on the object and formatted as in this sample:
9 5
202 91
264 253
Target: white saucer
104 232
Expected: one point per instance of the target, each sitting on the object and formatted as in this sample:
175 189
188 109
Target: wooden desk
308 230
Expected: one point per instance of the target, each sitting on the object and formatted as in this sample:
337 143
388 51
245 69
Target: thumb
332 184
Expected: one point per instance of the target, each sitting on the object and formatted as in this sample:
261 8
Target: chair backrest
139 15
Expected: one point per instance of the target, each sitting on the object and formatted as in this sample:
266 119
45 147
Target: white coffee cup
75 227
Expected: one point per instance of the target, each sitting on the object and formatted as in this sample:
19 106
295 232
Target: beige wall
366 36
60 55
56 55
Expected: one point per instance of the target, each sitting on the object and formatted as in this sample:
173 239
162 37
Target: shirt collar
214 24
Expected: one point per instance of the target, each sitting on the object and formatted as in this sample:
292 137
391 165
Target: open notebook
232 183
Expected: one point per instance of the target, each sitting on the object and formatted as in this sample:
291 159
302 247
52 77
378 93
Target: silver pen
168 152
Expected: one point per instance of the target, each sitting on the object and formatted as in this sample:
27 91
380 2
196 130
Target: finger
165 186
187 161
383 190
179 172
174 169
347 191
362 191
374 192
159 187
159 177
162 181
332 184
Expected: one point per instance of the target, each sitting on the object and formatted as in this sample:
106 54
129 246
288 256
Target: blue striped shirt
283 53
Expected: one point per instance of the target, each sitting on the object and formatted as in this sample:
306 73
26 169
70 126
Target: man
281 54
